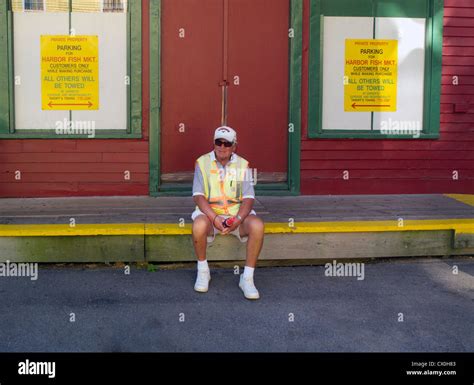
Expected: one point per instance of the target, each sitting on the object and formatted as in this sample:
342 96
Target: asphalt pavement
409 305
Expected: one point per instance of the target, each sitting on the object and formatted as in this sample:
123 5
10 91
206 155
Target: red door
208 43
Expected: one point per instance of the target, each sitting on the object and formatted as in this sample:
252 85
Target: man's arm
201 201
248 199
246 207
248 195
204 206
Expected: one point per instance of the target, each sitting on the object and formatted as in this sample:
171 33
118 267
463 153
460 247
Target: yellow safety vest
223 190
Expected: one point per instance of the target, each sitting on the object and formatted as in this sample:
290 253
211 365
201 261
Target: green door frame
292 186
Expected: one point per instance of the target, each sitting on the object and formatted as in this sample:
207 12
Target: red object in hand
228 222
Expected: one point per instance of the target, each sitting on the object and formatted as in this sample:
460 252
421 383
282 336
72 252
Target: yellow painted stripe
459 225
464 198
465 225
66 230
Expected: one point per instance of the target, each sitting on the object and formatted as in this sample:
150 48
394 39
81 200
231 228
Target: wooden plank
458 89
112 189
388 154
28 157
458 41
462 79
458 3
448 127
72 249
458 31
447 108
456 98
461 118
262 177
387 174
75 167
42 177
385 164
457 60
21 189
384 186
458 12
314 246
463 240
125 157
11 146
276 247
361 145
458 21
41 146
114 146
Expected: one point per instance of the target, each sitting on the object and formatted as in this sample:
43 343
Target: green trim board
135 67
292 186
432 10
4 69
295 73
155 96
11 73
134 94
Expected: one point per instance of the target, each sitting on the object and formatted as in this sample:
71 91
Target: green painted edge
4 69
402 8
129 70
11 73
134 65
294 139
436 66
433 65
135 57
315 78
155 96
369 8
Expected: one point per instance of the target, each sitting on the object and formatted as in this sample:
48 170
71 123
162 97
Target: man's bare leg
253 227
201 228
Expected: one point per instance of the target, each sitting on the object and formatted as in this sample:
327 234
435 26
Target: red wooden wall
404 166
62 167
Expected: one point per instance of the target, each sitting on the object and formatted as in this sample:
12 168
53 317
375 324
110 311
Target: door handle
224 84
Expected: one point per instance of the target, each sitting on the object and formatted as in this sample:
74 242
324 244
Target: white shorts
236 232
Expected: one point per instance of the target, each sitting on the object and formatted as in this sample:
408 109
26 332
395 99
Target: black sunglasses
219 143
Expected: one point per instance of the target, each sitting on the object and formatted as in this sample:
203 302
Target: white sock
202 265
248 271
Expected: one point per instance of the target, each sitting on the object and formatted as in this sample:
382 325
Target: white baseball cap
227 133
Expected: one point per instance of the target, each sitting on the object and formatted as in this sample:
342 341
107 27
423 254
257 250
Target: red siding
83 167
404 166
96 167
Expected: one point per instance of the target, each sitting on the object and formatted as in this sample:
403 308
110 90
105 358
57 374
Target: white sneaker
248 287
202 281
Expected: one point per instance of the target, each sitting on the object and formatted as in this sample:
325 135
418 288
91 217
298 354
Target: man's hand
218 224
236 224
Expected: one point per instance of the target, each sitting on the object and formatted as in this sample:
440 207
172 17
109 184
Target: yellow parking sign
69 72
370 75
